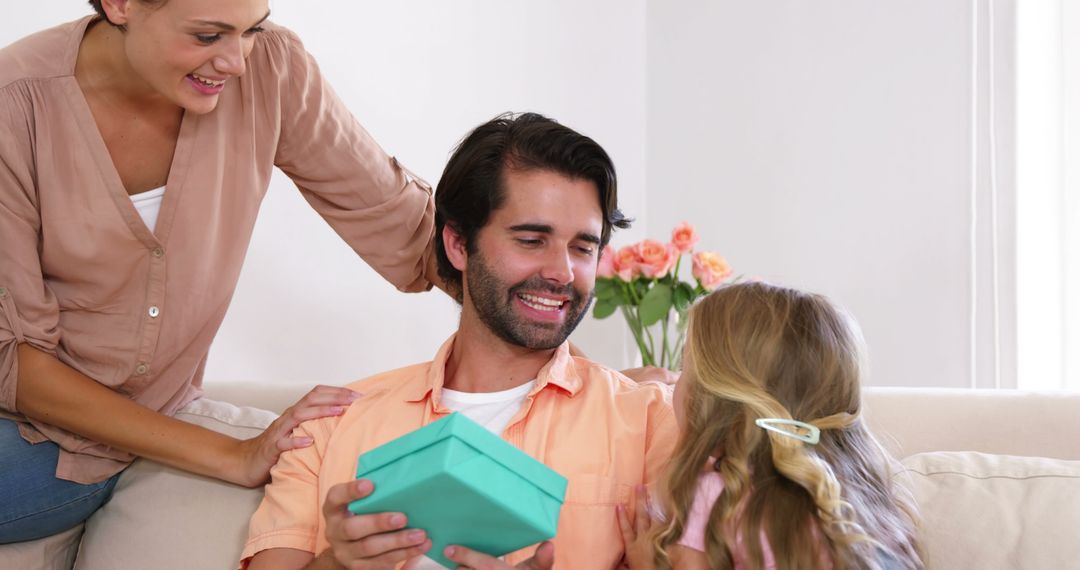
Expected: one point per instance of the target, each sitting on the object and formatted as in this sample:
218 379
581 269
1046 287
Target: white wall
418 74
1048 213
829 145
826 145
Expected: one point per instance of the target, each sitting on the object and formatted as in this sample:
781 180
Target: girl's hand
641 374
543 559
258 454
651 374
638 551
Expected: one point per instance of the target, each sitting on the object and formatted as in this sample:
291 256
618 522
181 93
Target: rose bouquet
642 281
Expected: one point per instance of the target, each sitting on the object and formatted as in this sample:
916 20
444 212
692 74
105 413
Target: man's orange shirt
599 429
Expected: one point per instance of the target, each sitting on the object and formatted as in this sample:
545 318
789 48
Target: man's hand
544 559
361 542
638 552
651 374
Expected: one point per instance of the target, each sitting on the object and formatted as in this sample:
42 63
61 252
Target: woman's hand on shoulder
259 454
651 375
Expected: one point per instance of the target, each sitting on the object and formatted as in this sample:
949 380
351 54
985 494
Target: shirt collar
559 371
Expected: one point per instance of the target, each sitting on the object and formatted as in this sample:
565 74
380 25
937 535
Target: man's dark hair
472 185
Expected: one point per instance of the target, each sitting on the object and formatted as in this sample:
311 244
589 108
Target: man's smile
542 303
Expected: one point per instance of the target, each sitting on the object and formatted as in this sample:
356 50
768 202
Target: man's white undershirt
493 410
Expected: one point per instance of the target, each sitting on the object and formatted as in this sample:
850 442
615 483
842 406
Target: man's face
530 278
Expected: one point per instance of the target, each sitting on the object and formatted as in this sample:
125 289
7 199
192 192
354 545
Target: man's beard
494 304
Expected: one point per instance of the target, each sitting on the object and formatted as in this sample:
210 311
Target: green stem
635 328
634 320
633 292
676 360
652 345
641 334
648 331
665 356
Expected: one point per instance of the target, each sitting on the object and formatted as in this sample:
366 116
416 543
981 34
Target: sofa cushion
164 518
996 511
55 552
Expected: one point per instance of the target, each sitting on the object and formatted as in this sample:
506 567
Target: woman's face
189 50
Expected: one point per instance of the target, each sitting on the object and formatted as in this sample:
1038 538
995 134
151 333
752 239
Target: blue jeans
33 502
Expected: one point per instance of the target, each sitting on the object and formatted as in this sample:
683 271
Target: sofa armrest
163 518
264 395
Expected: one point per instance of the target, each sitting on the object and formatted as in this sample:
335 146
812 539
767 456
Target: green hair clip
783 427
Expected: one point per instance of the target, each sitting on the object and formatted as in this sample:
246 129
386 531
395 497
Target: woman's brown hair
101 11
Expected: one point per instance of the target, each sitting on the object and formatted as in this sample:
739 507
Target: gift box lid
458 426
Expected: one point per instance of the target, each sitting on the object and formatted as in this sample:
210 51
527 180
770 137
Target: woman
135 147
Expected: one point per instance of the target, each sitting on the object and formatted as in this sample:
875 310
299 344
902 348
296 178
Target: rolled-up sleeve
383 211
28 310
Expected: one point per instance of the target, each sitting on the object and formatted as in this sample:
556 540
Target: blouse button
141 368
157 252
154 312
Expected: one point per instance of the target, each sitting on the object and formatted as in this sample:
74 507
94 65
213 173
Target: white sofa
996 475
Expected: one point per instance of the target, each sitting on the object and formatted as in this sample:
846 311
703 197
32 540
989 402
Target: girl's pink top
710 485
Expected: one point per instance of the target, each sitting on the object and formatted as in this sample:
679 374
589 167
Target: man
523 209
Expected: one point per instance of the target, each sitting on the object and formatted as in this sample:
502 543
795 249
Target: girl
775 467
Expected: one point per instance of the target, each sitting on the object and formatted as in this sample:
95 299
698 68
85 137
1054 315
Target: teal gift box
463 485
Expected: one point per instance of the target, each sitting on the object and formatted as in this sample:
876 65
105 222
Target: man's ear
117 11
454 244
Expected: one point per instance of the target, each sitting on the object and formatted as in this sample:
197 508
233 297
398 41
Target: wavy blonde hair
761 351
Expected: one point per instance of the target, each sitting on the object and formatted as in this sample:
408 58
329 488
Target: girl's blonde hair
761 351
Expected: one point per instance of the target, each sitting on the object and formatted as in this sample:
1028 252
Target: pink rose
656 259
606 267
625 263
710 269
684 237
